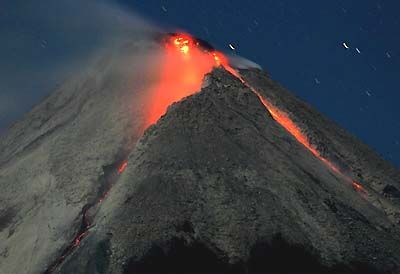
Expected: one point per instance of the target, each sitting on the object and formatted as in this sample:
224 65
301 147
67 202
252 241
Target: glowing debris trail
182 71
284 120
86 224
188 54
181 74
122 167
195 62
183 66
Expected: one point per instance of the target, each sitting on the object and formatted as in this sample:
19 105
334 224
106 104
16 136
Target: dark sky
300 43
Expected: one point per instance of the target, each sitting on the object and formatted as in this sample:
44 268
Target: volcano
197 166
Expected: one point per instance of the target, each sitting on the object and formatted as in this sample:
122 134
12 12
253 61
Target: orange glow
181 73
79 238
182 43
122 167
84 230
284 120
358 187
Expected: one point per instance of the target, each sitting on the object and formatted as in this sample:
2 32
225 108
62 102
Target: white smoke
53 40
47 41
239 62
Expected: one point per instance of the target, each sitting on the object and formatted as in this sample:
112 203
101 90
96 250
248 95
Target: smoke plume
47 42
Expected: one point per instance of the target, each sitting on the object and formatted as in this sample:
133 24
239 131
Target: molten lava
181 73
184 65
122 167
284 120
358 187
86 224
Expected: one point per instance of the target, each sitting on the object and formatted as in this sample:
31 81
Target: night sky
343 57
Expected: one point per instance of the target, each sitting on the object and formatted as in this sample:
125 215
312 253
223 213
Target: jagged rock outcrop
216 186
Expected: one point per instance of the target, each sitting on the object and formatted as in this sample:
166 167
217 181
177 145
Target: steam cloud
51 41
47 41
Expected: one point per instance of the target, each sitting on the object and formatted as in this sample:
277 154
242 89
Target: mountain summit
239 176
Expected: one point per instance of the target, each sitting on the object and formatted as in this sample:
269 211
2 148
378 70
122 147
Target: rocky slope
59 159
216 186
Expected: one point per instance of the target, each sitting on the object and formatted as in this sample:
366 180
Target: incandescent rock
215 186
54 161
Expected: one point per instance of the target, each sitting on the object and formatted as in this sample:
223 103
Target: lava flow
122 167
82 233
85 223
284 120
181 74
184 65
182 68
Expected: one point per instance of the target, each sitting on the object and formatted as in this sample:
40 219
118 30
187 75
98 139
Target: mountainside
217 185
57 160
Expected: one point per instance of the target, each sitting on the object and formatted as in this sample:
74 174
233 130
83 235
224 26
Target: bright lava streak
180 74
84 229
184 65
284 120
122 167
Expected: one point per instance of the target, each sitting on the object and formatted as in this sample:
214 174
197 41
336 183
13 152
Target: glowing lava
86 224
181 73
284 120
184 65
358 187
122 167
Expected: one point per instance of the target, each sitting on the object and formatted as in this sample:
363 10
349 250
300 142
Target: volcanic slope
218 186
62 157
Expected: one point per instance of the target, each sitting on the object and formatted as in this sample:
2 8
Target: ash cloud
46 42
